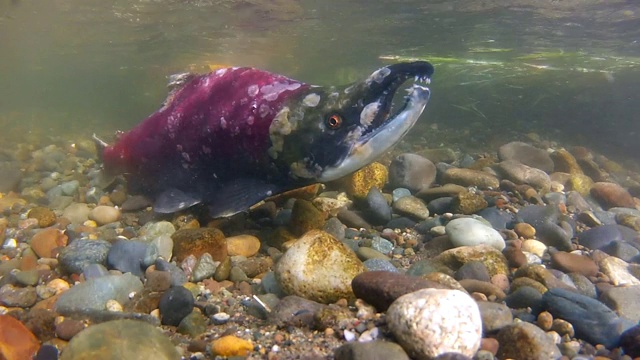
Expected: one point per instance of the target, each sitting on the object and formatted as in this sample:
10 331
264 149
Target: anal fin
239 195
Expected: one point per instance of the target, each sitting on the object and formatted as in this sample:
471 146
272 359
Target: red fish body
234 136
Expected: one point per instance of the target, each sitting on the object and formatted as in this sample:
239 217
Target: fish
233 137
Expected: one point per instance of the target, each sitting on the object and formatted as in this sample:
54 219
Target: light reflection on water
565 68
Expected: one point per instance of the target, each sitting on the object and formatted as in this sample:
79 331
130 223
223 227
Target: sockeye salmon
235 136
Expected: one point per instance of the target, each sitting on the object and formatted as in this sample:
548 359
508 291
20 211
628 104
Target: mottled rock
411 206
304 217
471 232
318 267
82 252
618 271
411 171
526 154
44 241
468 203
431 322
524 341
45 216
16 341
491 257
468 177
117 339
14 296
360 182
199 241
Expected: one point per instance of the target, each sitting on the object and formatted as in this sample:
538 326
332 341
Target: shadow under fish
235 136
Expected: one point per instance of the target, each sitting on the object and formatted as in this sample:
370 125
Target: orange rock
612 195
231 346
199 241
16 341
45 216
46 240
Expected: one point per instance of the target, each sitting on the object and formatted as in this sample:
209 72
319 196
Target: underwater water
568 71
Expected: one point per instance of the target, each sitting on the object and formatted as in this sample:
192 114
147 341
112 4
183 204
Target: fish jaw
331 132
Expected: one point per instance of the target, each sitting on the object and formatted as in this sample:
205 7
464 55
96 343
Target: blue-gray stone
497 218
178 277
175 304
283 217
605 217
69 188
379 265
398 193
554 235
525 297
150 255
473 270
537 215
593 321
336 228
440 205
378 210
94 271
554 198
382 245
621 250
82 252
583 285
427 266
576 200
352 244
127 256
424 226
598 237
467 161
271 285
153 230
93 294
400 223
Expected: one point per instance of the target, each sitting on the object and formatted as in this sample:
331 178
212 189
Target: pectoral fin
240 195
173 200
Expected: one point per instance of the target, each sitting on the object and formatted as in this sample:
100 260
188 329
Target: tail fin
100 146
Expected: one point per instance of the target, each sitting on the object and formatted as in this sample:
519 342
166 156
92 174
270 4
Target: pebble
379 265
378 209
624 301
469 177
231 345
524 297
205 268
471 232
304 217
411 171
14 296
220 318
612 195
526 154
473 270
69 328
373 350
45 241
525 230
570 262
630 341
411 206
193 325
138 339
592 320
103 214
94 270
491 257
175 304
494 316
535 247
525 341
94 294
601 236
127 256
82 252
318 267
46 217
381 288
17 342
398 193
431 322
243 245
468 203
359 183
618 271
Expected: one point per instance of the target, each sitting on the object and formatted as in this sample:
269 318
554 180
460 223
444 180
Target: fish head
328 133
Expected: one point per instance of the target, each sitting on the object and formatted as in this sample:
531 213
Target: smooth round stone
535 247
411 171
271 286
104 214
497 218
554 235
81 252
598 237
318 267
555 198
175 304
411 206
431 322
537 215
473 270
178 277
612 195
570 262
398 193
94 294
382 245
471 232
526 341
370 350
126 256
525 297
193 324
243 245
378 210
621 250
495 316
440 205
526 154
525 230
69 188
523 174
379 265
17 342
77 213
109 340
164 244
152 230
469 177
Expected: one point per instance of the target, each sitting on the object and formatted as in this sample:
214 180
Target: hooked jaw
378 130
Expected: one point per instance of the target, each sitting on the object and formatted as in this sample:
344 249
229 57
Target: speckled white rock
535 247
618 271
318 267
430 322
472 232
104 214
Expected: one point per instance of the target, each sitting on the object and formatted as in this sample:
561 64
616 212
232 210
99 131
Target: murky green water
568 70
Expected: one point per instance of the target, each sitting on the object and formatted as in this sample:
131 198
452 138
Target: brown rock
487 288
525 230
540 274
304 217
41 323
45 216
381 288
569 262
489 344
243 245
468 177
468 203
68 328
525 341
545 320
440 191
515 257
565 162
44 241
360 182
612 195
16 341
199 241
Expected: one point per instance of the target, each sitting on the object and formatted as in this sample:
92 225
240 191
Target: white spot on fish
186 156
250 120
272 91
223 123
264 110
379 75
253 90
221 72
206 149
369 113
311 100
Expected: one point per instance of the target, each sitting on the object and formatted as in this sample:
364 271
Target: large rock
612 195
472 232
16 341
82 252
199 241
411 171
431 322
526 154
523 174
373 350
93 294
120 339
491 257
318 267
469 177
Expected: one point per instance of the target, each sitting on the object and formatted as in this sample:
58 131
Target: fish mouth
381 127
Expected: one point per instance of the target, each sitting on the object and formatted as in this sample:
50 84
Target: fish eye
334 121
